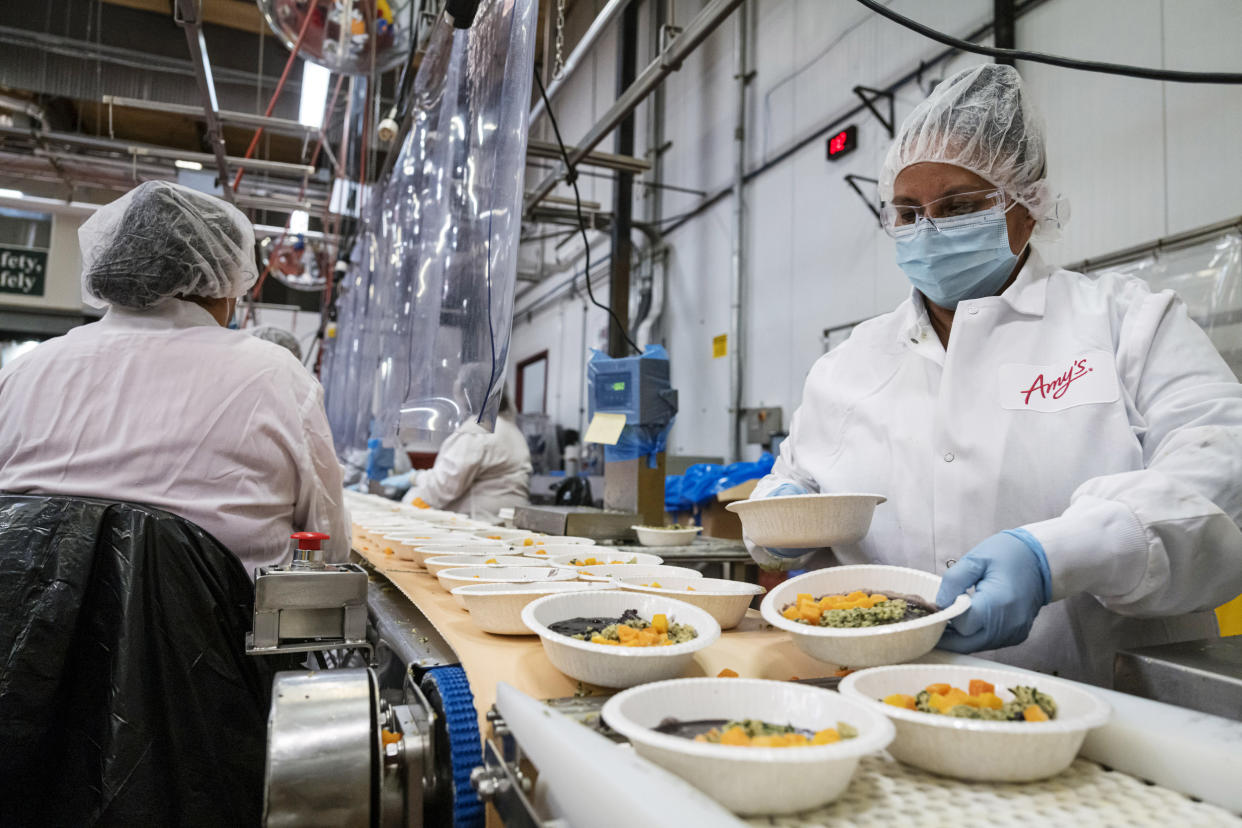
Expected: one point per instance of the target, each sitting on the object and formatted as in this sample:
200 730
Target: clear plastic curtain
462 277
426 312
1208 278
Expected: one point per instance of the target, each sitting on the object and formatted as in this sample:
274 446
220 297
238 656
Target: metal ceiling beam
605 160
668 61
282 125
187 14
138 150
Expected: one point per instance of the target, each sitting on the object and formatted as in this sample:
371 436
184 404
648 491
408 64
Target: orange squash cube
901 700
978 687
727 673
826 737
1034 713
791 612
941 689
659 622
734 736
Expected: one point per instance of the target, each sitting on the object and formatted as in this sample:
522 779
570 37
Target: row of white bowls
528 566
771 781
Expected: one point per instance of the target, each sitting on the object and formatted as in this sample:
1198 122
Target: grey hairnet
161 240
982 120
281 337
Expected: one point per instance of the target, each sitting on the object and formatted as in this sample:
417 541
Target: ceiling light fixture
6 193
188 165
314 94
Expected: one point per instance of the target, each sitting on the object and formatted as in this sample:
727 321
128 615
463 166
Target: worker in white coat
1067 447
159 403
477 472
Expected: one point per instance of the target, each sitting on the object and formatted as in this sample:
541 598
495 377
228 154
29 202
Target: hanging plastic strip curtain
463 226
1208 278
426 312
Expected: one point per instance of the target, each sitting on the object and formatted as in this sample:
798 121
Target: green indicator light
618 386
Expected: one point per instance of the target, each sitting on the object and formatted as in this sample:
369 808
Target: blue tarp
704 481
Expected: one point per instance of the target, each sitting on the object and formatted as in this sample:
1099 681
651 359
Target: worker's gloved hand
396 481
1012 581
782 559
787 490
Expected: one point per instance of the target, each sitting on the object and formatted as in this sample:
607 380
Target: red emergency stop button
309 541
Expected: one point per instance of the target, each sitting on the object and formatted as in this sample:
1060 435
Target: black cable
1054 60
571 175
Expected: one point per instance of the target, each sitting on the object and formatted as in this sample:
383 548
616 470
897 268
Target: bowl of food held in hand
980 724
441 562
807 521
606 572
497 608
727 601
862 616
755 746
602 556
674 535
619 639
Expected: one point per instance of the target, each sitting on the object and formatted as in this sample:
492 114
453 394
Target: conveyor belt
1084 796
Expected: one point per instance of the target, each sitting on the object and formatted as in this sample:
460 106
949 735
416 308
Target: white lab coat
167 408
477 472
1088 410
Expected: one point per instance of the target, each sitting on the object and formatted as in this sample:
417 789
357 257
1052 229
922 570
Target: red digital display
843 142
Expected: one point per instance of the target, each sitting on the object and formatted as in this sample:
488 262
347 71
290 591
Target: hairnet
980 119
279 336
161 240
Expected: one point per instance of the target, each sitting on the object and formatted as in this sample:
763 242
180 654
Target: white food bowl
441 562
974 750
727 601
459 576
405 546
561 540
603 555
606 572
806 521
666 536
609 666
552 550
863 646
497 608
510 536
748 780
459 546
655 536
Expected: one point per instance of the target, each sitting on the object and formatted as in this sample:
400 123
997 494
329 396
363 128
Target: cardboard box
717 521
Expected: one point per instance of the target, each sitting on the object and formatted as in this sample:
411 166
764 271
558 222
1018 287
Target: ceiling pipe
25 107
606 16
668 61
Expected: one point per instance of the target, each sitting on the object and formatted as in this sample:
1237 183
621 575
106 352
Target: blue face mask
966 258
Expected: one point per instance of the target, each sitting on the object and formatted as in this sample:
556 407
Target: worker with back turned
159 403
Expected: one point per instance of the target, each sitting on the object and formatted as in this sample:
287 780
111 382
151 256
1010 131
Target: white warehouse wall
1137 159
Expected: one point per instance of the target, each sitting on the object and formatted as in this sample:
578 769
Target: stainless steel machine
637 392
382 731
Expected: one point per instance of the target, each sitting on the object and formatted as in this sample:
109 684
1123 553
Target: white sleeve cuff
1098 546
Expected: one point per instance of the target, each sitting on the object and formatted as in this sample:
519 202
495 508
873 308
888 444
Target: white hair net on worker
163 240
278 336
982 120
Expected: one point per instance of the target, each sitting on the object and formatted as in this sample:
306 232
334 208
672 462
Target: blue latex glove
787 490
1010 574
397 481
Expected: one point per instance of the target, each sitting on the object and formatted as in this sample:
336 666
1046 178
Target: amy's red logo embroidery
1056 387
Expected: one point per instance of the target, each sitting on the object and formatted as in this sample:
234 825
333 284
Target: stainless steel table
1199 675
703 550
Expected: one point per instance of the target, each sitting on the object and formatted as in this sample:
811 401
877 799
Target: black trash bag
126 697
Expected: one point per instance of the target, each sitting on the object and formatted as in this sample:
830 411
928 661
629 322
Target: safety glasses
903 220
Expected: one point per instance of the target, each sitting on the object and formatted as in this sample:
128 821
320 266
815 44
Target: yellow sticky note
720 346
605 428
